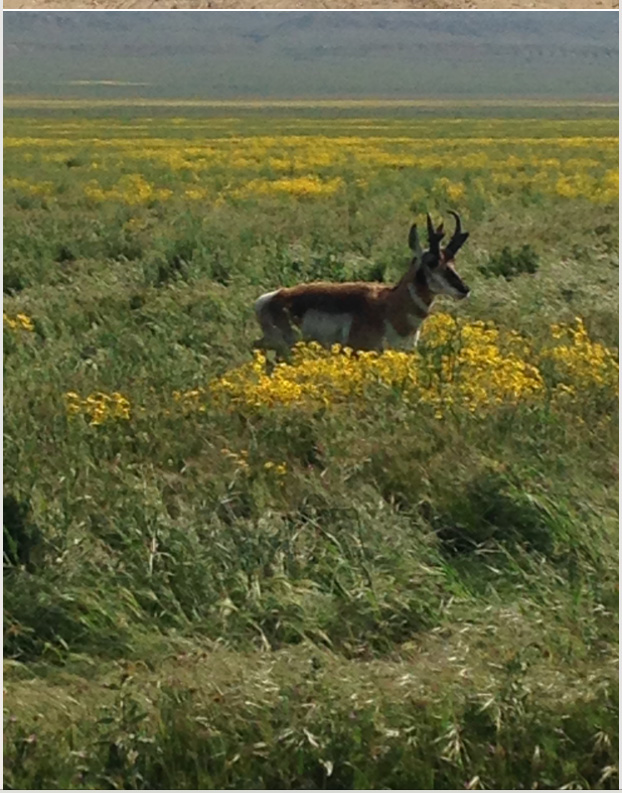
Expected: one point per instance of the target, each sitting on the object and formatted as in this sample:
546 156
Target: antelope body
363 315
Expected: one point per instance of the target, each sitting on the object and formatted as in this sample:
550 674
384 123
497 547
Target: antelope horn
456 217
434 237
458 239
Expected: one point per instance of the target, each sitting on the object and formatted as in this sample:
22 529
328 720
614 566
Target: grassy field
382 572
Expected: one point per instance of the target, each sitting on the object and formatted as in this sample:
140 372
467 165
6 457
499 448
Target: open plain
395 571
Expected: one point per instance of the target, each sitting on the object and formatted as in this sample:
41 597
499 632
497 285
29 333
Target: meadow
394 571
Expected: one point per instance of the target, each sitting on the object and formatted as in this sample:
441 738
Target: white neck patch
421 305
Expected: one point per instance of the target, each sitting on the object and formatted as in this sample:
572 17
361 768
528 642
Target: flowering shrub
474 366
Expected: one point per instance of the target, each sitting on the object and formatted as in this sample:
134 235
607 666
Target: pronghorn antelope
362 315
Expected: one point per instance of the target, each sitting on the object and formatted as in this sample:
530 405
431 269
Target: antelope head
435 268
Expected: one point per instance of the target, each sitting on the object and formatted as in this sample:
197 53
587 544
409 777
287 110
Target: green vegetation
510 263
361 594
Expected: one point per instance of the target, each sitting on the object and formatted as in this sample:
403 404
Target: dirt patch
301 4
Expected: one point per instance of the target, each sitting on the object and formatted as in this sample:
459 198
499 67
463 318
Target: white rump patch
326 328
263 300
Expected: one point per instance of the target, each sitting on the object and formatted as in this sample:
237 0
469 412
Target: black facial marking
453 279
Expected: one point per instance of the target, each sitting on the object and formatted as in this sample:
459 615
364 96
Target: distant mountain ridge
225 55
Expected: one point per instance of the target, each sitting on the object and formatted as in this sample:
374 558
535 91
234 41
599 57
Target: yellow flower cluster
470 366
453 191
280 469
191 400
132 189
302 186
581 363
196 193
218 159
473 367
584 185
18 322
44 189
240 461
98 407
480 367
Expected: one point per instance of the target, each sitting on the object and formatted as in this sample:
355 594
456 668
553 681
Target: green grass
414 604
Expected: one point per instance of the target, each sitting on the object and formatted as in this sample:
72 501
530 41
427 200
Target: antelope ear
413 239
415 247
430 227
440 230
